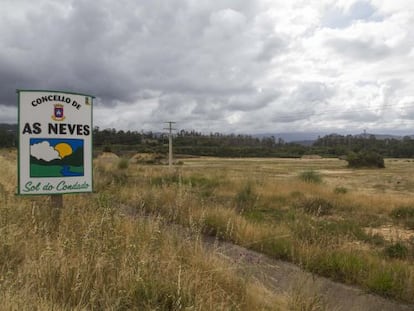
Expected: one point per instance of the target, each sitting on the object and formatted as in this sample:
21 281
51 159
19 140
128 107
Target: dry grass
261 204
103 258
118 249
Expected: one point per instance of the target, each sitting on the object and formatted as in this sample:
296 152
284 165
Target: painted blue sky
242 66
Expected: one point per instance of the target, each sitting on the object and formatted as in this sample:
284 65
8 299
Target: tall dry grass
119 249
275 219
103 256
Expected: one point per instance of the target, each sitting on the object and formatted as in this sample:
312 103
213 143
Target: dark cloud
203 63
114 50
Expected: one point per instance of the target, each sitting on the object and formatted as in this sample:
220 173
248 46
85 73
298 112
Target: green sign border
18 149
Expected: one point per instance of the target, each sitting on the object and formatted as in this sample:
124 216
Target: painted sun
63 149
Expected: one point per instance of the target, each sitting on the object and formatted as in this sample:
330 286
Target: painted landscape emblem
53 157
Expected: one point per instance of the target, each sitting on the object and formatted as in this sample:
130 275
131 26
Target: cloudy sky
242 66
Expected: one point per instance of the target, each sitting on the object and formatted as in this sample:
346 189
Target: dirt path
285 278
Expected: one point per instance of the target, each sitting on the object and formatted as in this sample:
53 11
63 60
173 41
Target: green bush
397 250
246 198
123 164
107 149
365 159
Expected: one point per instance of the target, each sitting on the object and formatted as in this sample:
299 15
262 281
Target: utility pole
170 152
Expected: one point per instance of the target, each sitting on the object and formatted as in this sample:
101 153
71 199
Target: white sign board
55 142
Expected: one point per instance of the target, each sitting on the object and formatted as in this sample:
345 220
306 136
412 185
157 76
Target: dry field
124 247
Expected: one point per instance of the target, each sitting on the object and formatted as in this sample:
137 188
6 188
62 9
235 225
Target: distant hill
383 136
308 138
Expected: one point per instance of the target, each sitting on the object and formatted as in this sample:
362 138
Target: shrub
246 198
397 250
123 164
311 176
365 159
107 149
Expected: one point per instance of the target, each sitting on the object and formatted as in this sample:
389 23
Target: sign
55 142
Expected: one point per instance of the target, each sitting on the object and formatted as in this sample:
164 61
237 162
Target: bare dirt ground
287 279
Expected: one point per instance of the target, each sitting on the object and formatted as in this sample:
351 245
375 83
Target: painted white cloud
43 151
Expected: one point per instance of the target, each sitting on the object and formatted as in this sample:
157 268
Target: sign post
55 143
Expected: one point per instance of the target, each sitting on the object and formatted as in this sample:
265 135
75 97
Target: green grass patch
343 266
396 250
276 247
389 280
273 215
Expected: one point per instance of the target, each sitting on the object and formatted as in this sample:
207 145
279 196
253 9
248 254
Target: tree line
343 144
8 135
239 145
235 145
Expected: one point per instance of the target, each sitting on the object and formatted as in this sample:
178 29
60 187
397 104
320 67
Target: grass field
117 249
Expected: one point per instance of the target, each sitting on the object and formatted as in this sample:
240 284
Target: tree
365 159
7 138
